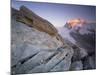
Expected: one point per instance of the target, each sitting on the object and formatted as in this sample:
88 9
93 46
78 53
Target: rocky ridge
28 17
36 45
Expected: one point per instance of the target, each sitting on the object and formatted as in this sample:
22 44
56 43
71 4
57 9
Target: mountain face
82 41
36 45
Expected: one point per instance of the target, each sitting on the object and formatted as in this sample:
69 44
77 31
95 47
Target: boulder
24 37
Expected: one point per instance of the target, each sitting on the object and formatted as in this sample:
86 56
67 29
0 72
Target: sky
58 14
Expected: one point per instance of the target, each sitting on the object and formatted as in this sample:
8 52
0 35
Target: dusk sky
58 14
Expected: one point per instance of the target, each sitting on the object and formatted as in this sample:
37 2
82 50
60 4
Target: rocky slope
36 45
